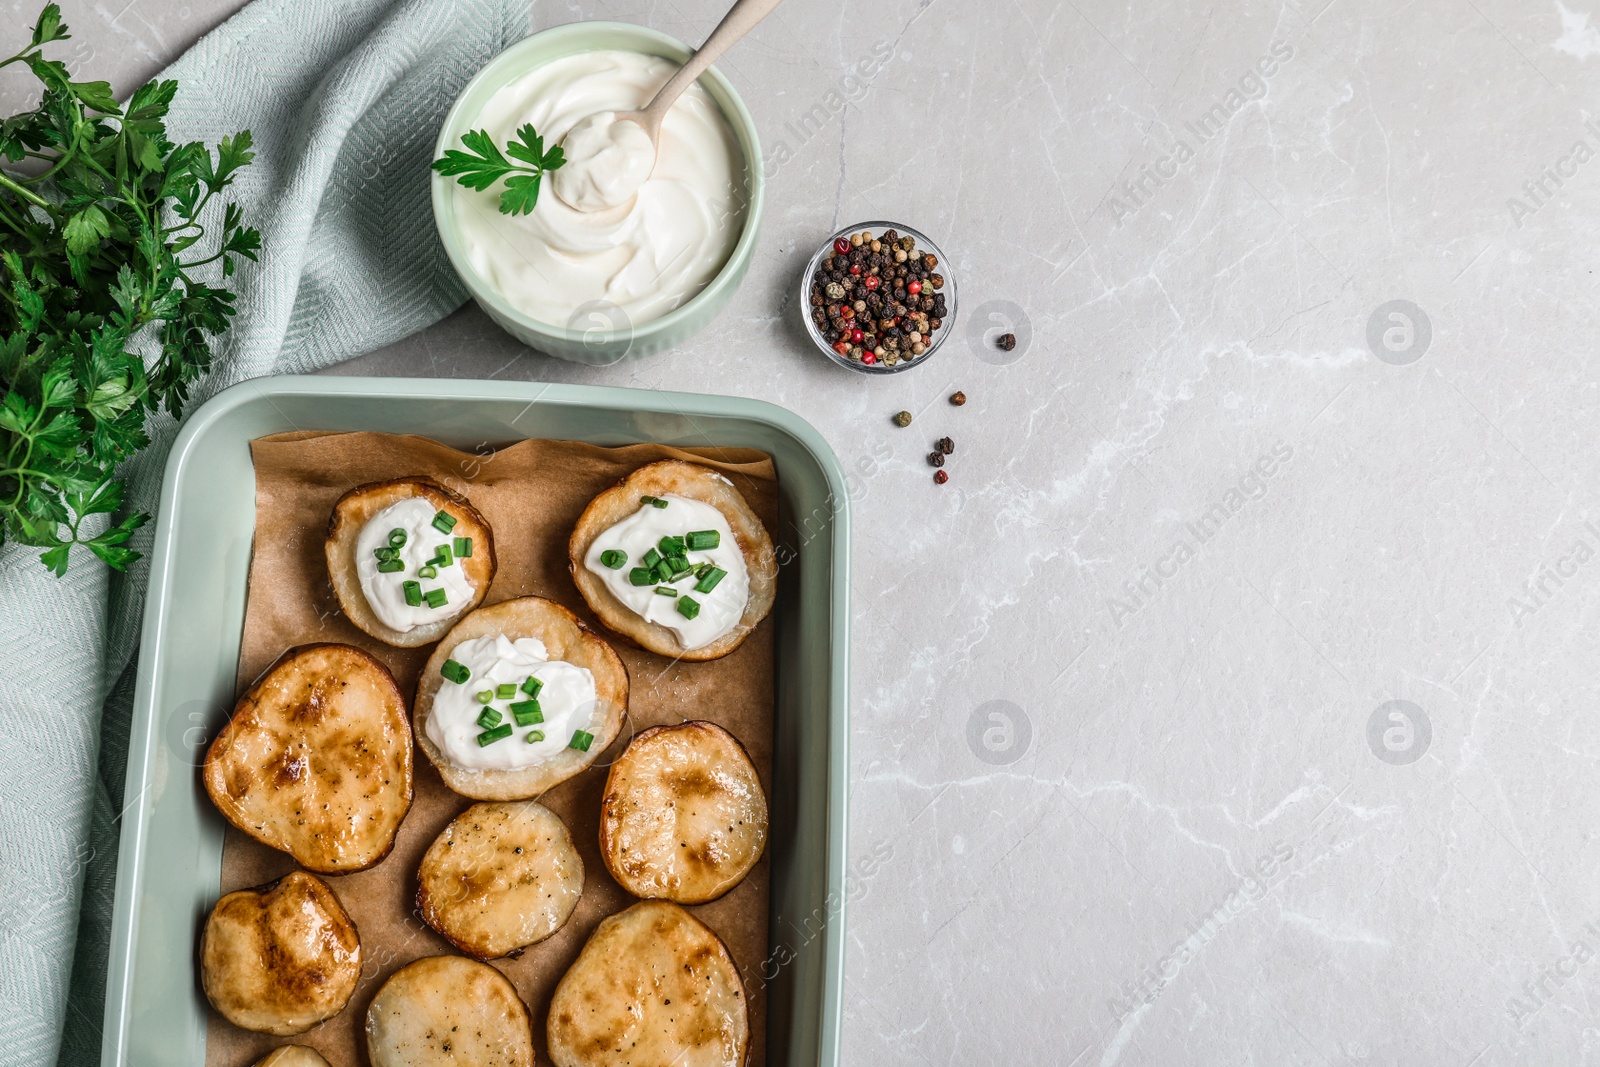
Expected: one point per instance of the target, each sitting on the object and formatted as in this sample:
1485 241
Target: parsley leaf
110 295
483 164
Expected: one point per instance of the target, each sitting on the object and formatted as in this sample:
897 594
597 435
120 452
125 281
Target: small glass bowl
924 246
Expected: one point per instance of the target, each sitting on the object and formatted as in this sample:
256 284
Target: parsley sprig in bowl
110 293
483 164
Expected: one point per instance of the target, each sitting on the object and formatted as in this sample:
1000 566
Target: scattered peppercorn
877 296
936 458
1008 341
958 398
941 477
945 446
902 418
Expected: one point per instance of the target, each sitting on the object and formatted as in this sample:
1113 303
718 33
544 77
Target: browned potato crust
565 638
316 760
500 877
351 514
280 958
683 817
653 986
449 1011
690 480
293 1056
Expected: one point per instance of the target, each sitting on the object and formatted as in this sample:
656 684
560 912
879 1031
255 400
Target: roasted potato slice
293 1056
350 517
684 817
448 1011
653 986
564 638
675 478
316 760
280 958
500 877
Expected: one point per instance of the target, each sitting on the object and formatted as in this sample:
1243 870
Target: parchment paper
532 494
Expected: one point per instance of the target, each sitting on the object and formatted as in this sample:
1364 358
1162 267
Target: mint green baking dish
599 334
171 852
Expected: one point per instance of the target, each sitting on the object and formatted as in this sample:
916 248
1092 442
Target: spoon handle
740 20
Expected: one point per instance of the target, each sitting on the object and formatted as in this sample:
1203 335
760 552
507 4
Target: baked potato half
500 877
316 760
660 480
653 986
280 958
293 1056
684 817
448 1011
564 638
470 575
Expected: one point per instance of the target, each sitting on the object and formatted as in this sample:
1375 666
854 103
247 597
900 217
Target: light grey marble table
1236 700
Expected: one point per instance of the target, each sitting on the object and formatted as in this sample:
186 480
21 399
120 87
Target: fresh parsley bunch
104 318
484 164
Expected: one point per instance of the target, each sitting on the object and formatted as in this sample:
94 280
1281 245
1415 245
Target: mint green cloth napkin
344 98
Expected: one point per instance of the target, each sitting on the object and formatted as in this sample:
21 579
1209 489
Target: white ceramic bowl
598 334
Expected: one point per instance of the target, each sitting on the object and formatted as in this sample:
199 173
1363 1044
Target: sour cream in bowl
577 278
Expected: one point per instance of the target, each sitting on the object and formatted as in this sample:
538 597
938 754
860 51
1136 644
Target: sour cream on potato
385 590
719 610
566 697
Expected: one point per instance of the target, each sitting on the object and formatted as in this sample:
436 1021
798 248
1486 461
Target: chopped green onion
499 733
444 522
386 553
488 718
709 580
427 570
463 548
613 559
535 736
455 672
650 558
436 598
680 568
670 546
663 571
688 606
397 538
653 501
390 566
642 576
703 569
505 691
484 696
581 740
701 540
532 686
527 712
413 592
666 590
442 554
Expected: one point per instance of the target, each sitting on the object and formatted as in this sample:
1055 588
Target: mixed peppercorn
944 446
876 300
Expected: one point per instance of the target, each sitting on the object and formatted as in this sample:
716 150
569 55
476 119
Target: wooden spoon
740 20
571 182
